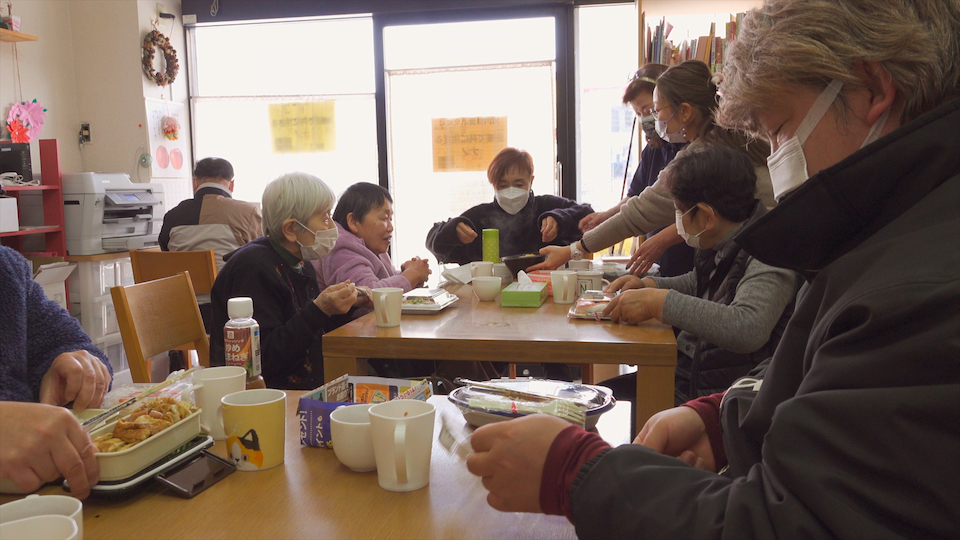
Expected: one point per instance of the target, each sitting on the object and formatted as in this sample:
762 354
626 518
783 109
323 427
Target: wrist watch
575 252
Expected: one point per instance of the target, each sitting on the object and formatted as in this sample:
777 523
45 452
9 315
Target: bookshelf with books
674 32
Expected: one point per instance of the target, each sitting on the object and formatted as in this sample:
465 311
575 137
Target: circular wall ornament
152 41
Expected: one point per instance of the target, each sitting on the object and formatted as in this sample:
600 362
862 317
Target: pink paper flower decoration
29 118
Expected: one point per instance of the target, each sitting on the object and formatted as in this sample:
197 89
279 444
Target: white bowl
486 287
46 527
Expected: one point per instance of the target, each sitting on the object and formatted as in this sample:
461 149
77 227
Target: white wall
86 67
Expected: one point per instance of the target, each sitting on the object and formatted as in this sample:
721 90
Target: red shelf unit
51 190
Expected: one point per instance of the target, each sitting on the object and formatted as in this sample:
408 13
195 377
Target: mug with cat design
254 422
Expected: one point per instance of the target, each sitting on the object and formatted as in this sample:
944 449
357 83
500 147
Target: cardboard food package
316 405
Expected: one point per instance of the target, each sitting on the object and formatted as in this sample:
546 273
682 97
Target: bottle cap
240 308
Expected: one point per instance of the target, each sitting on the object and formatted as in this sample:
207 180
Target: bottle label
242 348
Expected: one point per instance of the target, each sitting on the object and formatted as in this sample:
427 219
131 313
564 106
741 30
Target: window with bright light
606 58
302 99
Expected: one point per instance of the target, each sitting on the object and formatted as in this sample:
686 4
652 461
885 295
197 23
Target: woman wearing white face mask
655 156
526 222
684 102
731 308
287 303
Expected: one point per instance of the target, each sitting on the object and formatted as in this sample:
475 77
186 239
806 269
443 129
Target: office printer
106 212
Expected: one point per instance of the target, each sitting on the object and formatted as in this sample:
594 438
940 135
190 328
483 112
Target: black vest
711 369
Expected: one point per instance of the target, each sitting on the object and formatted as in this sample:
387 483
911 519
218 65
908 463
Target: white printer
106 212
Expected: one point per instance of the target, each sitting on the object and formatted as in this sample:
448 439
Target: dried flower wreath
156 39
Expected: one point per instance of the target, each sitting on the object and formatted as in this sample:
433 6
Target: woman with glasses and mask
657 153
684 103
275 271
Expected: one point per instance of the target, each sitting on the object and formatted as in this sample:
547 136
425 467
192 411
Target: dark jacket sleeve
442 239
856 453
568 214
283 342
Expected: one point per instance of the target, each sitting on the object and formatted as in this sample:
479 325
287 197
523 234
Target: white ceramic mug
43 505
500 270
481 268
45 527
564 286
582 264
255 424
402 442
352 441
210 385
486 287
590 280
386 306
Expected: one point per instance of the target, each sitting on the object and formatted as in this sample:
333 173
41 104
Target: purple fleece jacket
351 259
33 331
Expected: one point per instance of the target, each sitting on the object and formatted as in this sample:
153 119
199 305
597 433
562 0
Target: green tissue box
512 297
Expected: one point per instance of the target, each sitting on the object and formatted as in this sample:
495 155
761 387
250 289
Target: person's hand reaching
76 376
549 229
465 233
681 433
337 299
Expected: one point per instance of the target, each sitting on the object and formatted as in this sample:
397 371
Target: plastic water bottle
241 340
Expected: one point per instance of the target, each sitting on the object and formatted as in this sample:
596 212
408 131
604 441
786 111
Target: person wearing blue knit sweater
46 361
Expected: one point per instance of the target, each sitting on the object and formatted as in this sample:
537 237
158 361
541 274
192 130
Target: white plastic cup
402 432
481 268
589 280
486 287
386 306
352 440
564 286
210 385
42 505
46 527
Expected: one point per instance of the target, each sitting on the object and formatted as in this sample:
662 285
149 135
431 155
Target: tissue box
9 217
542 276
314 408
512 296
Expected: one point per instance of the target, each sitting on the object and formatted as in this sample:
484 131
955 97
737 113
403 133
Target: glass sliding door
457 93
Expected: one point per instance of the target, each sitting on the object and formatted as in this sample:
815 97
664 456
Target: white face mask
692 241
323 242
512 199
674 137
788 166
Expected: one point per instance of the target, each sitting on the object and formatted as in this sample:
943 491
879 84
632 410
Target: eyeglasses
657 111
638 76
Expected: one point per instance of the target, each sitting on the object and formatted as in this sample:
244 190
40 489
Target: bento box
125 463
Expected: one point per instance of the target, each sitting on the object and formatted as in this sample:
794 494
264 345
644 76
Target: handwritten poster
467 144
303 127
166 126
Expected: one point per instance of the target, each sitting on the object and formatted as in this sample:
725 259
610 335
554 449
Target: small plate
440 301
600 398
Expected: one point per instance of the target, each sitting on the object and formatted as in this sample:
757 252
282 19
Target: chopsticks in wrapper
572 410
93 422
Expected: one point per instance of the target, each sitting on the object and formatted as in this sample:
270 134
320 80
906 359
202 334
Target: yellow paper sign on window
467 144
302 127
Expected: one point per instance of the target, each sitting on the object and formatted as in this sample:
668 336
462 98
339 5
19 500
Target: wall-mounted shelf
10 35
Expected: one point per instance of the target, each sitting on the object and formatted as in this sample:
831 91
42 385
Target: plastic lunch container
126 463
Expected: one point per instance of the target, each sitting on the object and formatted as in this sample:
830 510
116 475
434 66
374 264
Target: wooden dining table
472 330
312 495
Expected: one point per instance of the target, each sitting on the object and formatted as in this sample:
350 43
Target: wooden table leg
335 366
654 391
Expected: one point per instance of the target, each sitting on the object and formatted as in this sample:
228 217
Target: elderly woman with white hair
287 302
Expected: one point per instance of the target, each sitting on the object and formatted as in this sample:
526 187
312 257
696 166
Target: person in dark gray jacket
850 429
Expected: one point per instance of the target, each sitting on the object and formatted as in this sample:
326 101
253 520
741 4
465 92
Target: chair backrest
157 316
150 264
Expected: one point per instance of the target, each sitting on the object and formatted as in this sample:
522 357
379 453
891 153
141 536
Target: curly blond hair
808 43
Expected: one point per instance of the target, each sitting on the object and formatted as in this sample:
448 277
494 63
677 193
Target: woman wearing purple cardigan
364 217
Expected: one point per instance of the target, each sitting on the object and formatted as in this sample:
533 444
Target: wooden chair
150 264
157 316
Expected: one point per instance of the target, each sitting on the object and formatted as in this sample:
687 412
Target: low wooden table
473 330
312 495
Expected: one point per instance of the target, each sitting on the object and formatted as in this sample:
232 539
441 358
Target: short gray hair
294 195
807 43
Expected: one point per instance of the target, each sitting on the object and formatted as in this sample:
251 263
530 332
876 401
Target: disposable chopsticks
519 393
91 423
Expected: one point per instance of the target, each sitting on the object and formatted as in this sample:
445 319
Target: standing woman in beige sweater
684 101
